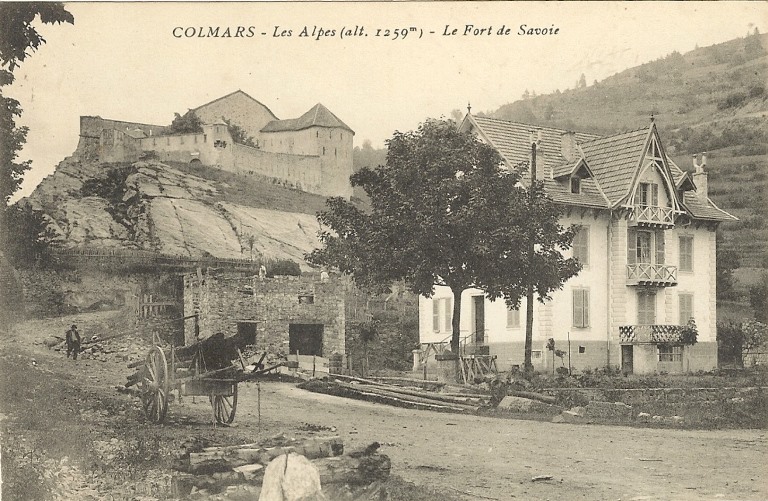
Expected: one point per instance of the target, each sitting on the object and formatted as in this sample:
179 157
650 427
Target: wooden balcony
653 216
650 334
657 275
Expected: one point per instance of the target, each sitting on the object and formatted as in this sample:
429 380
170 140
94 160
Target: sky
122 60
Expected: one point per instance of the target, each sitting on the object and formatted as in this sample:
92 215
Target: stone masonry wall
273 304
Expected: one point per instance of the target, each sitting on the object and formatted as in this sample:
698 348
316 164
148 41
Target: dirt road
497 458
59 416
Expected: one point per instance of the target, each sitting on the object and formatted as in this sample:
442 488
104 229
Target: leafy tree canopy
446 211
239 135
187 123
18 39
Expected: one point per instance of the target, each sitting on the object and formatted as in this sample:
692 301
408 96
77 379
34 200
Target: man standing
73 342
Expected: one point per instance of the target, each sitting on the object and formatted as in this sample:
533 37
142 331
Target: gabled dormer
653 197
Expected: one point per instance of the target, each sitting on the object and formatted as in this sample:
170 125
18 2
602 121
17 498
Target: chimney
700 177
568 147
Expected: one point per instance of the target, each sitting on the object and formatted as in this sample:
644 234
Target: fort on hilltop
312 153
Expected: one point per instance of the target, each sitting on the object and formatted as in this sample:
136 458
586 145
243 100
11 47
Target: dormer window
576 185
649 194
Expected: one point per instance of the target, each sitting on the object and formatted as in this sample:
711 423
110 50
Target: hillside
711 99
175 209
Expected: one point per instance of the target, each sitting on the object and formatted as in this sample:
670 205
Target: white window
686 307
670 353
686 253
648 194
581 245
513 317
646 308
646 247
581 307
436 315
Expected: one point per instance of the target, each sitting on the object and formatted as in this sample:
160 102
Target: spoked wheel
224 407
154 386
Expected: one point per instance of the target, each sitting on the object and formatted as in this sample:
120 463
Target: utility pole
527 364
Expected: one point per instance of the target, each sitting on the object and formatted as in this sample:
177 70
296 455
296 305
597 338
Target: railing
439 347
653 215
652 334
651 274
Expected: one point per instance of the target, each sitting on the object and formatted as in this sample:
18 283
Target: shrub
282 267
732 100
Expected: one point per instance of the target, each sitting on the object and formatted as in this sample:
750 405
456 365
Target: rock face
152 206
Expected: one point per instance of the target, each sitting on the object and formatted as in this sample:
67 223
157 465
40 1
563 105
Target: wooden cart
205 369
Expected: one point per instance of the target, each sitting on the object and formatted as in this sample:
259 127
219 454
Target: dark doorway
626 358
478 313
305 339
246 331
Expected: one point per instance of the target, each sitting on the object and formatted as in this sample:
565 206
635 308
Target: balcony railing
651 215
651 334
660 275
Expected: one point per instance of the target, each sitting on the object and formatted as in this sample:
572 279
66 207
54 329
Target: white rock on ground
291 477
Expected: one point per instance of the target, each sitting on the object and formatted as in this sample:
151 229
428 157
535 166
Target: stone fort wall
317 160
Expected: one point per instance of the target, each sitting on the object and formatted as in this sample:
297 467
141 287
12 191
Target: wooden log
406 397
407 402
353 470
221 459
547 399
421 393
468 400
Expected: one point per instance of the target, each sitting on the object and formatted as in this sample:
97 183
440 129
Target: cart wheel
224 407
155 386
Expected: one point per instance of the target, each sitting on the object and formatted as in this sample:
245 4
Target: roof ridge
613 136
539 126
232 94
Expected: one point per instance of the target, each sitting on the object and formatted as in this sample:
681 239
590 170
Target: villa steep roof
317 116
613 162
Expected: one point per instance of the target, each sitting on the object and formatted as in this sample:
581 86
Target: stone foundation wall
222 301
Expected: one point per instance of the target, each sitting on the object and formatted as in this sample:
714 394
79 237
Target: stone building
285 314
312 153
646 242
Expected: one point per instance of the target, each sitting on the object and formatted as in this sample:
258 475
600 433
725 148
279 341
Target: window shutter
578 307
448 315
659 247
435 315
631 246
655 194
585 314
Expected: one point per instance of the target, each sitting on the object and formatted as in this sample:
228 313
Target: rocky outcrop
152 206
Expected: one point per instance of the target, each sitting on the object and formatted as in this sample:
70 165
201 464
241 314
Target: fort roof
317 116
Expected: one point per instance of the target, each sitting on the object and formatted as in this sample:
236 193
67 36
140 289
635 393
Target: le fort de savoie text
319 32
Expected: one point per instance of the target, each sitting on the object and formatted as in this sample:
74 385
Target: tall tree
445 210
18 39
187 123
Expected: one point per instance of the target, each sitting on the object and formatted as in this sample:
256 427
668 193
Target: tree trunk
527 364
353 470
456 320
225 458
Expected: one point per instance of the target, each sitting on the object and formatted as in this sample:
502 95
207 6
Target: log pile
413 398
215 468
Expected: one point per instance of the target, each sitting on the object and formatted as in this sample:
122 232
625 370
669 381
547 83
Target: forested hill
708 98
